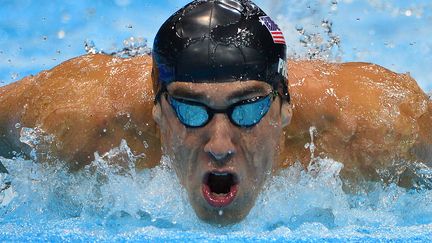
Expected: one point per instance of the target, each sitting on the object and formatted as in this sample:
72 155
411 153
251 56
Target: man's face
222 166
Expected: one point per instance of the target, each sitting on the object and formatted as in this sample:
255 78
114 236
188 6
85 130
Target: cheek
262 142
172 147
172 137
180 145
172 132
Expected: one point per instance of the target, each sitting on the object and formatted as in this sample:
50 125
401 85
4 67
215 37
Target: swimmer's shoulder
84 69
360 74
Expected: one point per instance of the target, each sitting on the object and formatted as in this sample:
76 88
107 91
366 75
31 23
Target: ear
157 113
286 113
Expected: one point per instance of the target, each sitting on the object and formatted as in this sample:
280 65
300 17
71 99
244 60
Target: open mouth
220 188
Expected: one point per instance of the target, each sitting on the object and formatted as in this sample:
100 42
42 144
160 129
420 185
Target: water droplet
408 12
17 125
104 130
61 34
300 29
334 7
14 76
220 212
122 3
65 18
89 47
389 44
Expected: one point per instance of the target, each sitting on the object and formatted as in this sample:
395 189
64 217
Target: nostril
221 156
217 156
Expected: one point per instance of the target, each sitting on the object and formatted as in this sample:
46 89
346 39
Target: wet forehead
219 93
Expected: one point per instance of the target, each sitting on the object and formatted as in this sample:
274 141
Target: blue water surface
50 204
37 35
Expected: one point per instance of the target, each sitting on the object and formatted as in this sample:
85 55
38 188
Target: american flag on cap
273 28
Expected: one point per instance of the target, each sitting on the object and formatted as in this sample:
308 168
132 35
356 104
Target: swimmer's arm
422 150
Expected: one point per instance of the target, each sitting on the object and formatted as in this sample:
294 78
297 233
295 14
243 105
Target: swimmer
215 98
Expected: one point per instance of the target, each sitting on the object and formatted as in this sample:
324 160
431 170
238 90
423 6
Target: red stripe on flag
278 37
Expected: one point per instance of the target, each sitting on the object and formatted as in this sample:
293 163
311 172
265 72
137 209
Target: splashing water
132 47
319 46
106 201
311 145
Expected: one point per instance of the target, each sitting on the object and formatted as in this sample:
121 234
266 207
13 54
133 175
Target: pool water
38 35
104 202
107 202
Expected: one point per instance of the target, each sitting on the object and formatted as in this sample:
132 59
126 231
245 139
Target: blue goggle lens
249 114
244 114
191 115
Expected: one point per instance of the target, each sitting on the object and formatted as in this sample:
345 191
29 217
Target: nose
220 145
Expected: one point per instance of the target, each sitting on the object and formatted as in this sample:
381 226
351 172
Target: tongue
219 199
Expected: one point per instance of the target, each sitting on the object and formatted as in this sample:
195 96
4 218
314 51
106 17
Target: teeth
220 174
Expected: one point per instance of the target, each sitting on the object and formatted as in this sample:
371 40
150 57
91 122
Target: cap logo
282 68
273 28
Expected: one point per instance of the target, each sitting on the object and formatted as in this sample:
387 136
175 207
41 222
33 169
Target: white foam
295 201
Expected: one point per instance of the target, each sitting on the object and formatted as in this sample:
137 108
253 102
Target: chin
222 215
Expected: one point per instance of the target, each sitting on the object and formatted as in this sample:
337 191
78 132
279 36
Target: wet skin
248 154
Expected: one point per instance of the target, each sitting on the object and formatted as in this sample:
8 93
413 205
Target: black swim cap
219 41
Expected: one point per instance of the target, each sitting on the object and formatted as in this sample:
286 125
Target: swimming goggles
245 113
